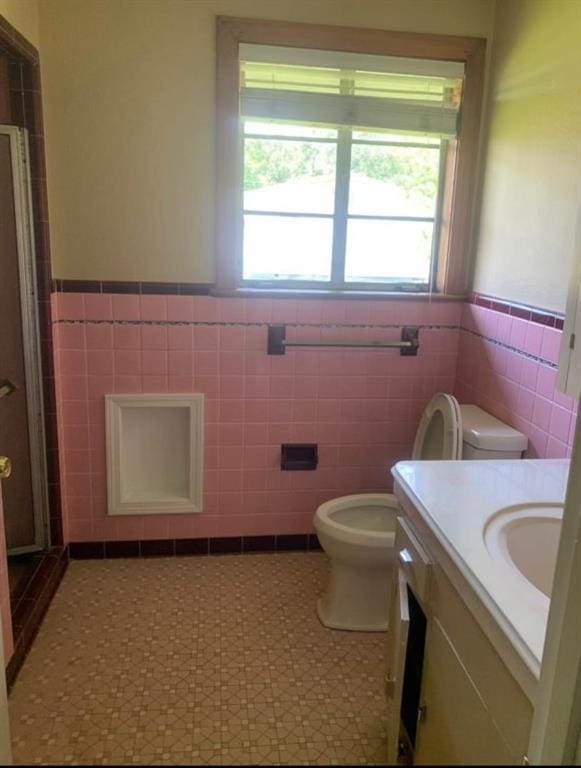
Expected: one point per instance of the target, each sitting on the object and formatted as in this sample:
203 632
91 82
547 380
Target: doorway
22 436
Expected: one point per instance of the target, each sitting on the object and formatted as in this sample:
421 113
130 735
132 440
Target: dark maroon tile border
192 547
157 548
293 542
226 545
26 109
209 289
31 563
259 544
121 549
532 314
29 609
100 550
120 286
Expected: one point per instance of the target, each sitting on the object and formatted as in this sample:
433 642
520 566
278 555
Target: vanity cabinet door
455 728
397 640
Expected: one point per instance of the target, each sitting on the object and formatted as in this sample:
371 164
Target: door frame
20 162
556 727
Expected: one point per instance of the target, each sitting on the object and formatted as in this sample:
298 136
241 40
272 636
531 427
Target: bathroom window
337 170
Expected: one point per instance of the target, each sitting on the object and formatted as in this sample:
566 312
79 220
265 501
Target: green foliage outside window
268 162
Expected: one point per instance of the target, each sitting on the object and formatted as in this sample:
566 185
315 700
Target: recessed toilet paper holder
299 456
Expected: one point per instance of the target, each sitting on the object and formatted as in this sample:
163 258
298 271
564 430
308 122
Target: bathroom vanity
476 546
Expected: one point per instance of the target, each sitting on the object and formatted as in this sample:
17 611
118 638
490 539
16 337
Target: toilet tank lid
482 430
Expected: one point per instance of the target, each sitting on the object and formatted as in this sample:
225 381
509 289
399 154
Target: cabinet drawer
413 559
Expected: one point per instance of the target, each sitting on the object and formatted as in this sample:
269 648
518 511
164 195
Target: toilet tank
486 437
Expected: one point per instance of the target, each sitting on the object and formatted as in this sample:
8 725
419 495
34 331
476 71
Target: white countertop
455 499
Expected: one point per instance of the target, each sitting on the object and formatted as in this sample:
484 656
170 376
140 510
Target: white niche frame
155 453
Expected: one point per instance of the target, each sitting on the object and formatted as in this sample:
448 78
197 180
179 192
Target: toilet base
357 597
328 621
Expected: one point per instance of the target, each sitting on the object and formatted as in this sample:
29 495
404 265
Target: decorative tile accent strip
347 326
210 323
238 545
522 311
509 348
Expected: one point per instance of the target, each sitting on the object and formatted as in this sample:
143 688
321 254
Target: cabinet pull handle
389 686
422 713
405 556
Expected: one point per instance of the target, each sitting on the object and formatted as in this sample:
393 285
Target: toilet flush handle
405 556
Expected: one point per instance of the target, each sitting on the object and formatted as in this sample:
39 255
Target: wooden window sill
302 293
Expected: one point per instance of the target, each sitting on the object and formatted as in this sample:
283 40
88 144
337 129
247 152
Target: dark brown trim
5 105
100 550
32 604
298 293
460 187
13 42
522 311
123 286
26 112
121 549
157 548
208 289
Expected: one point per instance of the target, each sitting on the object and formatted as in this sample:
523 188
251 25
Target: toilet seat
439 434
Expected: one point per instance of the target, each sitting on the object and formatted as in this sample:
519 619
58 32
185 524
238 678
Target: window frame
340 217
452 229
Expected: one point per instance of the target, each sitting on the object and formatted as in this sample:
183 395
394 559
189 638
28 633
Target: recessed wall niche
154 453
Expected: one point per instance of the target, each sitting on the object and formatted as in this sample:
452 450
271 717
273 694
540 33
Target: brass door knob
6 387
5 467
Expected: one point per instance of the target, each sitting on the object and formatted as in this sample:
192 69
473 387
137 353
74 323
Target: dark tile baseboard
235 545
29 610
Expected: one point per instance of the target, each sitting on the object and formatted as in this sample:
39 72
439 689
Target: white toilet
358 532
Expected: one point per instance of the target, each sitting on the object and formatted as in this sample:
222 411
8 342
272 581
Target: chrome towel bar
408 346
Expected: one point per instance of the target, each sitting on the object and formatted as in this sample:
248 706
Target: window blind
344 89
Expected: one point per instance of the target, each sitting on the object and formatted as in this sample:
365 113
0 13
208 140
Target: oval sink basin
526 538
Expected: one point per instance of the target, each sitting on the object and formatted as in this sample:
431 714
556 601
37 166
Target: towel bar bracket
408 345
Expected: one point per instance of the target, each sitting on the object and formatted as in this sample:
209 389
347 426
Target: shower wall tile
360 406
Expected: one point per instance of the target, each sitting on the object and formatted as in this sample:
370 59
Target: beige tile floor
215 660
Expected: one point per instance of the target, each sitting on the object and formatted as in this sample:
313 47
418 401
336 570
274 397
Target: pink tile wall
5 591
360 406
516 388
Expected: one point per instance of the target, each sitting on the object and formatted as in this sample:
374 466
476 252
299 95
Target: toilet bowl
358 532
